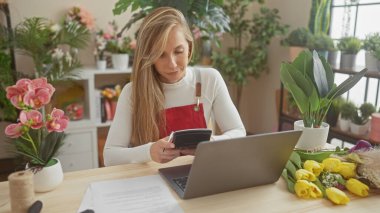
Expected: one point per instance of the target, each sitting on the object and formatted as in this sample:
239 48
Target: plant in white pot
120 47
37 135
310 80
361 119
347 111
320 42
349 47
370 44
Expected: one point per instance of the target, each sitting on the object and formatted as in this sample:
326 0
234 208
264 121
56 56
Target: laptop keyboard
181 182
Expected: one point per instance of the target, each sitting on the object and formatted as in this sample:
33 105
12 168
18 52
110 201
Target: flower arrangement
329 173
101 40
112 94
82 16
119 44
53 47
37 137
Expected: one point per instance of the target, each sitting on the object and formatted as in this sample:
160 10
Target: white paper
141 194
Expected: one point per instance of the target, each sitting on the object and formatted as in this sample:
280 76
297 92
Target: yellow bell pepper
313 166
347 170
331 164
337 196
303 174
305 189
356 187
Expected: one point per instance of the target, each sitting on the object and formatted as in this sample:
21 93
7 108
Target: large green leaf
329 73
304 63
347 84
295 77
320 77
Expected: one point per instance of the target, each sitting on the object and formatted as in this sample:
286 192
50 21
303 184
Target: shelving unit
335 132
84 144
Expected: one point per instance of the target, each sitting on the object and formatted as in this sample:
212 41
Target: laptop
226 165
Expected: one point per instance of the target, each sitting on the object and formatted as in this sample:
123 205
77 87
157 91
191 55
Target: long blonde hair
148 99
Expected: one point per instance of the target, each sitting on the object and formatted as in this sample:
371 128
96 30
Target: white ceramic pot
312 138
120 61
359 129
48 178
344 124
101 64
370 61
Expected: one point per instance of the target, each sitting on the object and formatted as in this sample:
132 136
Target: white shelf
94 71
105 124
84 123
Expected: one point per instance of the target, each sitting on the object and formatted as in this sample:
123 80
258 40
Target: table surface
269 198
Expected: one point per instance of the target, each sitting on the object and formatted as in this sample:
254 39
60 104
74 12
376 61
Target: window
357 18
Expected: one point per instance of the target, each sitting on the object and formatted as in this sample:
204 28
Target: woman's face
171 65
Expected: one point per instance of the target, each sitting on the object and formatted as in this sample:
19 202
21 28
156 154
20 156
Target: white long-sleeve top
217 104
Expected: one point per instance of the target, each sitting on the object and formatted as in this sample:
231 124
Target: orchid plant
37 137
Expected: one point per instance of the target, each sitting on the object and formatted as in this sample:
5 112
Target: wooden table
269 198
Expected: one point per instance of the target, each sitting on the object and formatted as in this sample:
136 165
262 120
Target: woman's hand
187 151
163 151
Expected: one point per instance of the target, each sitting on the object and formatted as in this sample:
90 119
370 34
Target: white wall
258 107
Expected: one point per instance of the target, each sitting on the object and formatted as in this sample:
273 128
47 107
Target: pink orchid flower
41 83
32 118
57 121
37 98
23 84
15 95
14 130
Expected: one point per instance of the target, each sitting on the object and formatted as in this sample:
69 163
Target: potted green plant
310 80
347 111
360 120
333 55
321 43
249 58
297 41
349 47
370 44
120 47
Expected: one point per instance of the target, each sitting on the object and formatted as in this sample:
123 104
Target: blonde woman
162 97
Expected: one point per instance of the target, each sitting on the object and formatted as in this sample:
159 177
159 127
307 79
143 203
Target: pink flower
15 95
132 45
32 118
197 33
86 18
41 83
107 36
37 98
14 130
57 121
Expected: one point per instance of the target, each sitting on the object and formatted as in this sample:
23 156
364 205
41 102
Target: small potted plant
360 120
349 47
101 40
297 41
321 43
347 111
37 136
120 47
310 80
370 44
